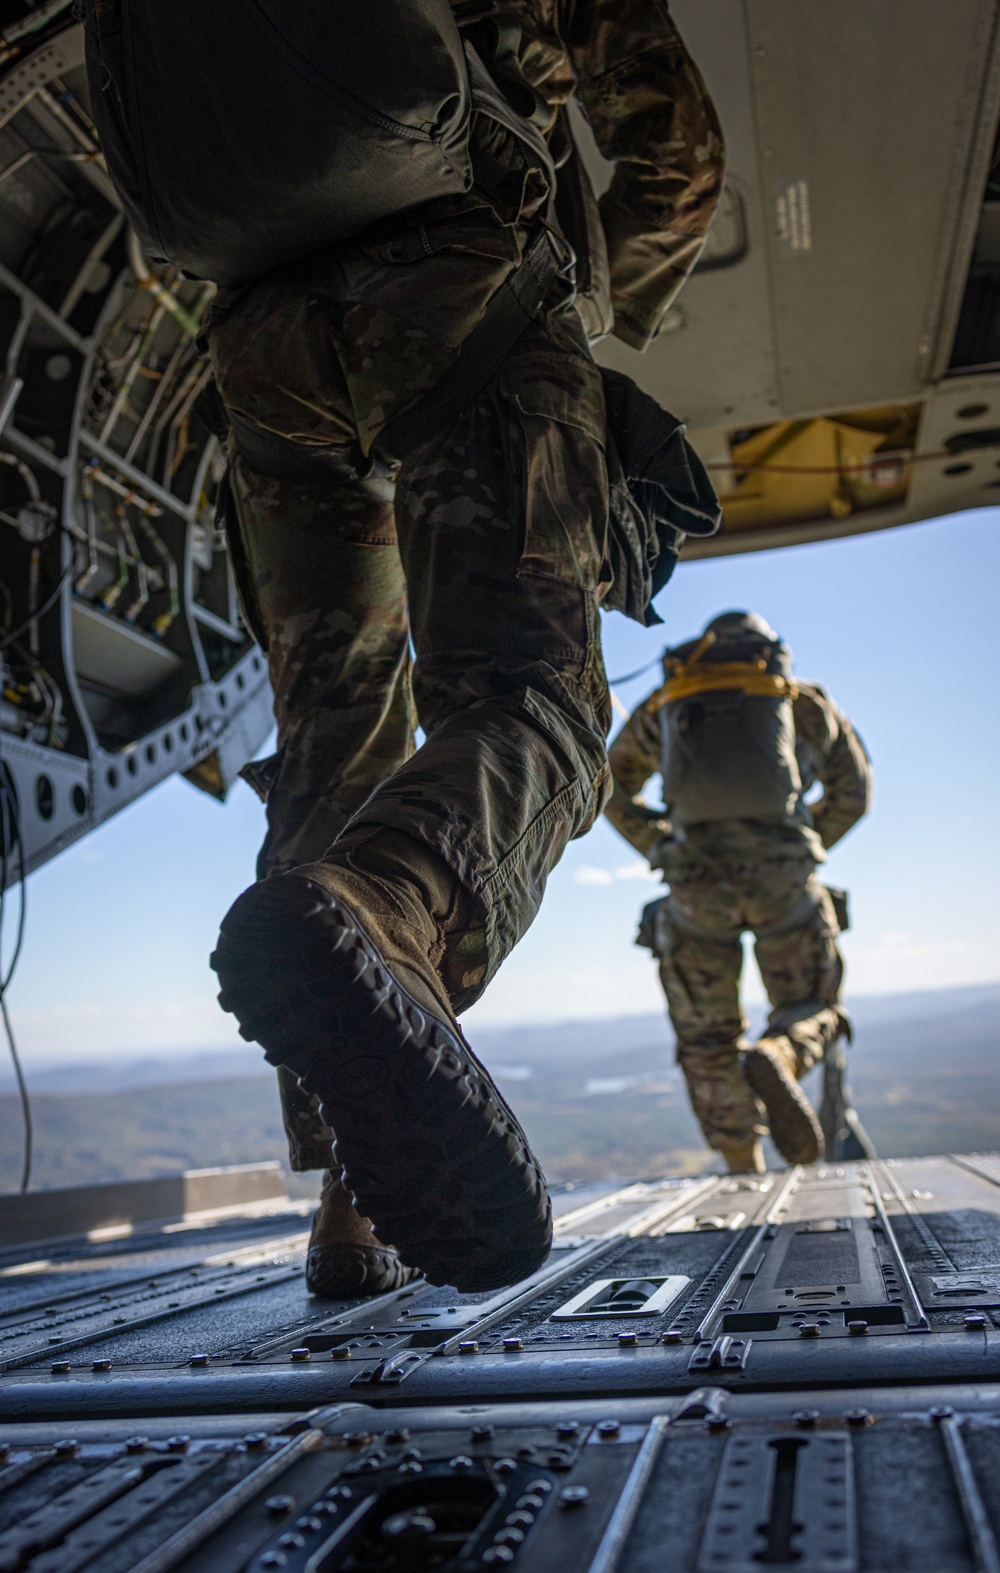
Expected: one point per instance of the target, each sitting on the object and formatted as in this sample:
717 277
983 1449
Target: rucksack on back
728 732
242 134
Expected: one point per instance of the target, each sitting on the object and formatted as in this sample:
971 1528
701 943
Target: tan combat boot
744 1157
772 1068
329 968
345 1259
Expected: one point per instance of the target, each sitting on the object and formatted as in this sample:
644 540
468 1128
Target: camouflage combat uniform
485 554
734 875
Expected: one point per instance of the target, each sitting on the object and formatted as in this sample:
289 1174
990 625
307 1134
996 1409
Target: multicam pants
484 559
725 879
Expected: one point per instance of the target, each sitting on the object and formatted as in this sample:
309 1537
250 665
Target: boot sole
428 1148
795 1130
347 1272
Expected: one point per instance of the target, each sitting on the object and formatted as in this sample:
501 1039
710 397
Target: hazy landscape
598 1098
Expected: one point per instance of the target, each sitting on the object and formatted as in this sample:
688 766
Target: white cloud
593 876
637 869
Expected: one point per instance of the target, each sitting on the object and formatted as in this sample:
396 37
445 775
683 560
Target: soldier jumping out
393 882
739 743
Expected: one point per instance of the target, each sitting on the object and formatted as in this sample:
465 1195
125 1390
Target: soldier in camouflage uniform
727 876
484 555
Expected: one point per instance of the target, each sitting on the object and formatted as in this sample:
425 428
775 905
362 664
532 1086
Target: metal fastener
67 1448
278 1506
100 1365
805 1417
483 1433
974 1321
857 1417
460 1463
178 1444
567 1428
809 1330
512 1345
468 1346
942 1412
509 1537
198 1360
608 1428
673 1335
60 1367
411 1467
398 1434
256 1441
341 1352
136 1444
354 1439
859 1326
299 1356
574 1496
627 1340
717 1423
505 1466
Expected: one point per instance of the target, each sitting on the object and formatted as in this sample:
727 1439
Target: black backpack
242 134
728 731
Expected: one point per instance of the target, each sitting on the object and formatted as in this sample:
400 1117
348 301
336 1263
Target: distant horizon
180 1055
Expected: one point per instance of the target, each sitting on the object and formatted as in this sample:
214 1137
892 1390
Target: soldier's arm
652 117
634 756
845 771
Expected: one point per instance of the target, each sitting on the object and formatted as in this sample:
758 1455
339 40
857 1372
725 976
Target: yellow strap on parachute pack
698 677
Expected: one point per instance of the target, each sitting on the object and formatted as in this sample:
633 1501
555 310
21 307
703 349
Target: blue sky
901 627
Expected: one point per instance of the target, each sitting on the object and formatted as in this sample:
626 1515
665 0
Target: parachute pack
242 134
728 731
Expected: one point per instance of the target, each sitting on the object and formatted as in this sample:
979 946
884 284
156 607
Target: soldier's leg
329 598
803 973
701 979
502 523
799 963
333 967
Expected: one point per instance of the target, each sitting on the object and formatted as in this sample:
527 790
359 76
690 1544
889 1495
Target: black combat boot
345 1259
329 968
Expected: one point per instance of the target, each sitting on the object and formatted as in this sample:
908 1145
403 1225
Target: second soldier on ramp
739 743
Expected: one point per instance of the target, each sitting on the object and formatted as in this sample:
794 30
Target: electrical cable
10 837
41 611
614 681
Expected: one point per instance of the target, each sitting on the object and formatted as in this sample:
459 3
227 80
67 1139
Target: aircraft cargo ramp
800 1369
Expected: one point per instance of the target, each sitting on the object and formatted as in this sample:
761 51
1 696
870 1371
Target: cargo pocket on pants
556 456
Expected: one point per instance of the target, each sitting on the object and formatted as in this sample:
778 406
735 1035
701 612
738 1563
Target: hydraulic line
165 381
133 609
87 496
134 361
189 321
164 620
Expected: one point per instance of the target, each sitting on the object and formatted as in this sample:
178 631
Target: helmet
728 624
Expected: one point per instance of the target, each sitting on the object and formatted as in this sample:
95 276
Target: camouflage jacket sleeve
634 756
652 117
841 763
